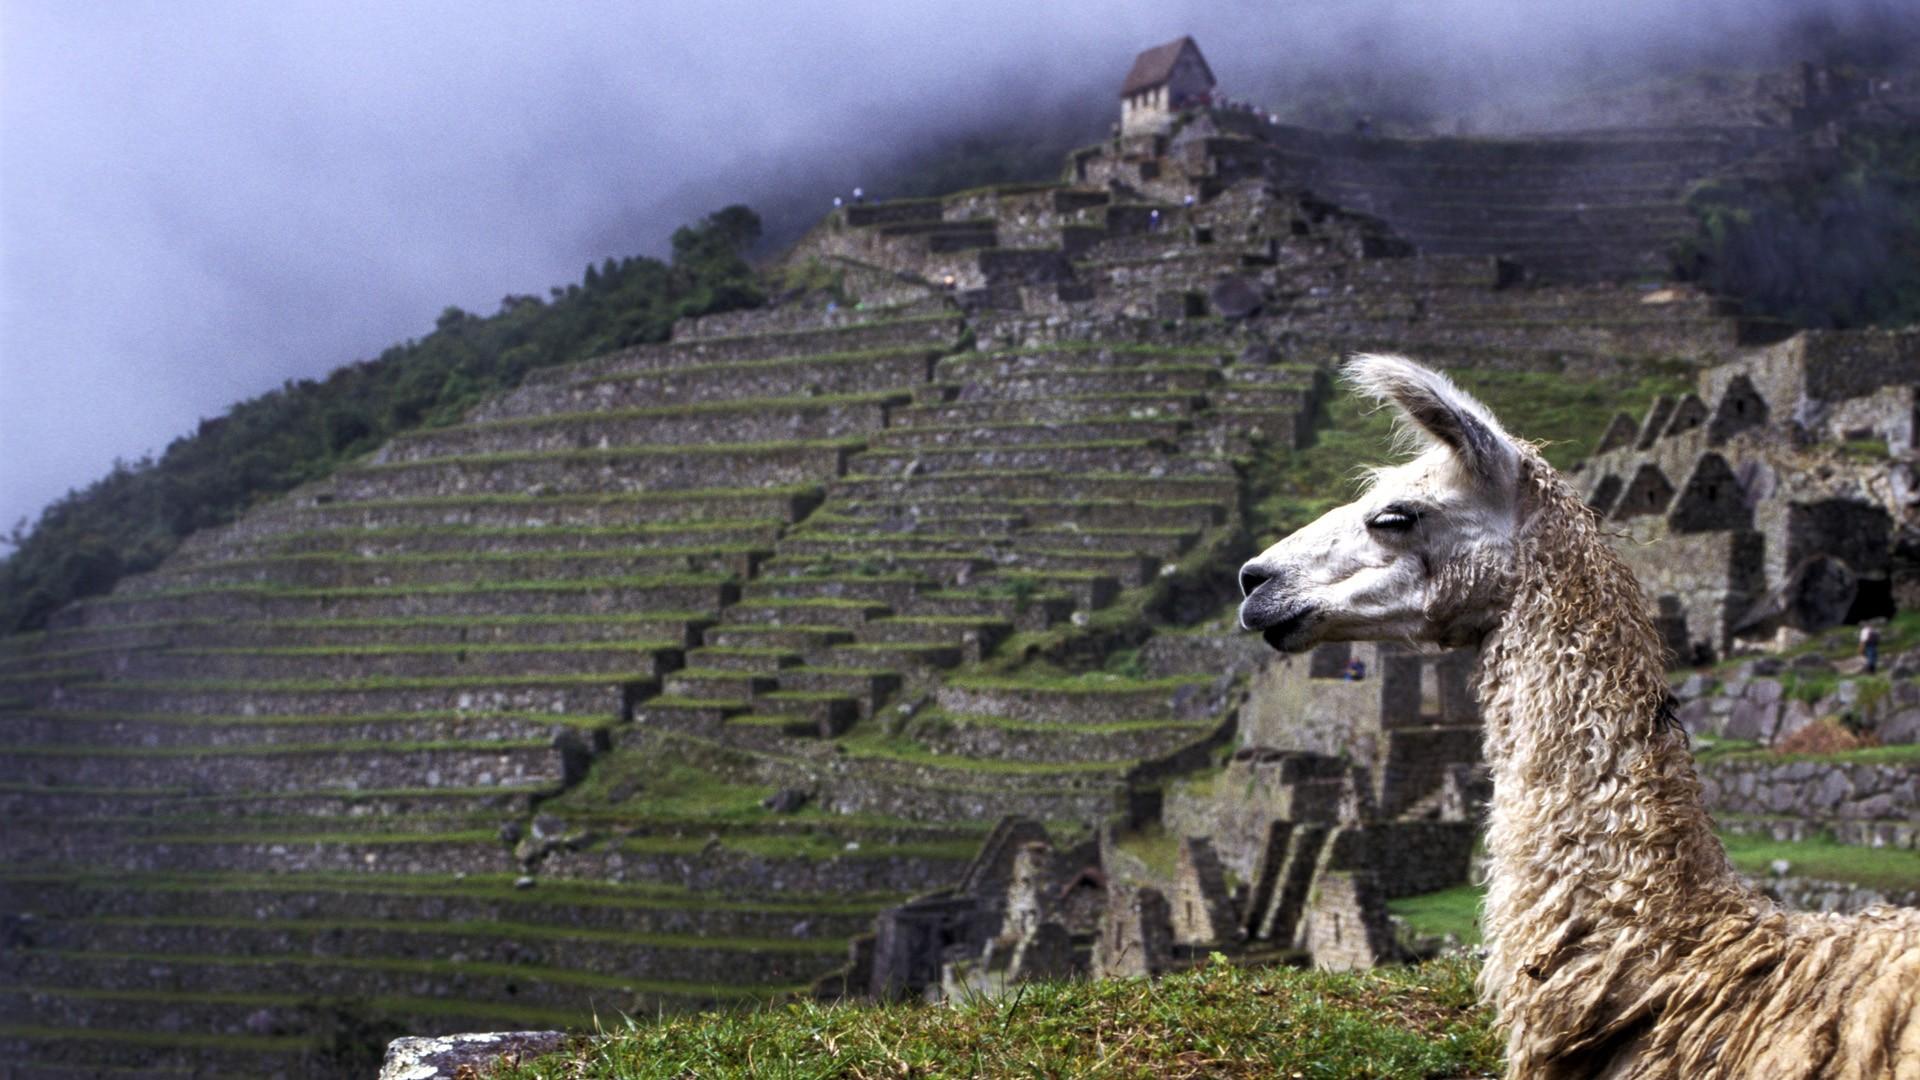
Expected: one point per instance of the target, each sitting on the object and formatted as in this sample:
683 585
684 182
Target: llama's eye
1393 519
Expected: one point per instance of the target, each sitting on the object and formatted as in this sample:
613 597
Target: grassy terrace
701 408
1216 1021
615 454
315 686
577 499
556 584
478 886
298 720
562 976
463 1008
372 746
440 558
722 367
477 649
518 931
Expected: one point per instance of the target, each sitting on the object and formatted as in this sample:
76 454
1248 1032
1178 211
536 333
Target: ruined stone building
1780 496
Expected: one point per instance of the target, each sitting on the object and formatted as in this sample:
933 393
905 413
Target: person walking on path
1870 646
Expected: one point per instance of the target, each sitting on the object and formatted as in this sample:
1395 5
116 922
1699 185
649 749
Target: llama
1620 941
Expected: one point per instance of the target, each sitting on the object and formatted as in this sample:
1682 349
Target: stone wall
1813 790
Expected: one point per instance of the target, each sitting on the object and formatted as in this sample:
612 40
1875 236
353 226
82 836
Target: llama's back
1805 996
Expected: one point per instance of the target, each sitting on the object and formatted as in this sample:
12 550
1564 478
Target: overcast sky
199 200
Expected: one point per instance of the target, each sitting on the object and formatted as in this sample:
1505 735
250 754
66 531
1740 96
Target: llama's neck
1598 839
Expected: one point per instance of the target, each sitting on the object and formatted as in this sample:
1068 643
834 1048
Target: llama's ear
1439 411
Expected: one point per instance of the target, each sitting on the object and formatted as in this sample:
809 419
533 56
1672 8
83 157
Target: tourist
1870 646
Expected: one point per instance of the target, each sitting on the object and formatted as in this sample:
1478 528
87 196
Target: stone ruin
1345 793
1778 499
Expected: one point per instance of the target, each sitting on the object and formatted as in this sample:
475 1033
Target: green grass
364 746
475 928
861 356
1744 750
1216 1021
1091 682
495 887
1827 859
618 453
1453 911
695 408
563 976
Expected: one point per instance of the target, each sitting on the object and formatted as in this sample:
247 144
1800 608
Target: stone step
995 367
1086 513
976 636
1173 380
1130 569
937 331
639 957
888 590
87 1053
473 541
320 976
651 468
1025 609
1107 429
598 510
255 770
804 713
1151 405
597 695
228 1015
1120 456
880 371
691 715
869 687
749 421
452 900
347 571
906 522
935 566
807 544
1036 487
327 804
825 610
800 638
1086 700
1159 543
137 730
898 655
681 593
319 851
676 628
991 738
1091 590
630 659
719 684
763 659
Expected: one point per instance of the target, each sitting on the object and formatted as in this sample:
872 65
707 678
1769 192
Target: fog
200 201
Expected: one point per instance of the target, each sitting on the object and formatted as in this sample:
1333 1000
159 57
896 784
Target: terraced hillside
651 682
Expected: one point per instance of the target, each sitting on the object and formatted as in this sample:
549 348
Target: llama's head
1424 553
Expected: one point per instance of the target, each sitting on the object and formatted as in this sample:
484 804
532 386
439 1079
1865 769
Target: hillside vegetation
129 520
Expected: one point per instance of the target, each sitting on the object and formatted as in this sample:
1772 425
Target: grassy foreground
1216 1021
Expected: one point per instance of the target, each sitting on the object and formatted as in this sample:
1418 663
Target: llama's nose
1251 578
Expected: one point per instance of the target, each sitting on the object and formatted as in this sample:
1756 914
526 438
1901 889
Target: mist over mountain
198 204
